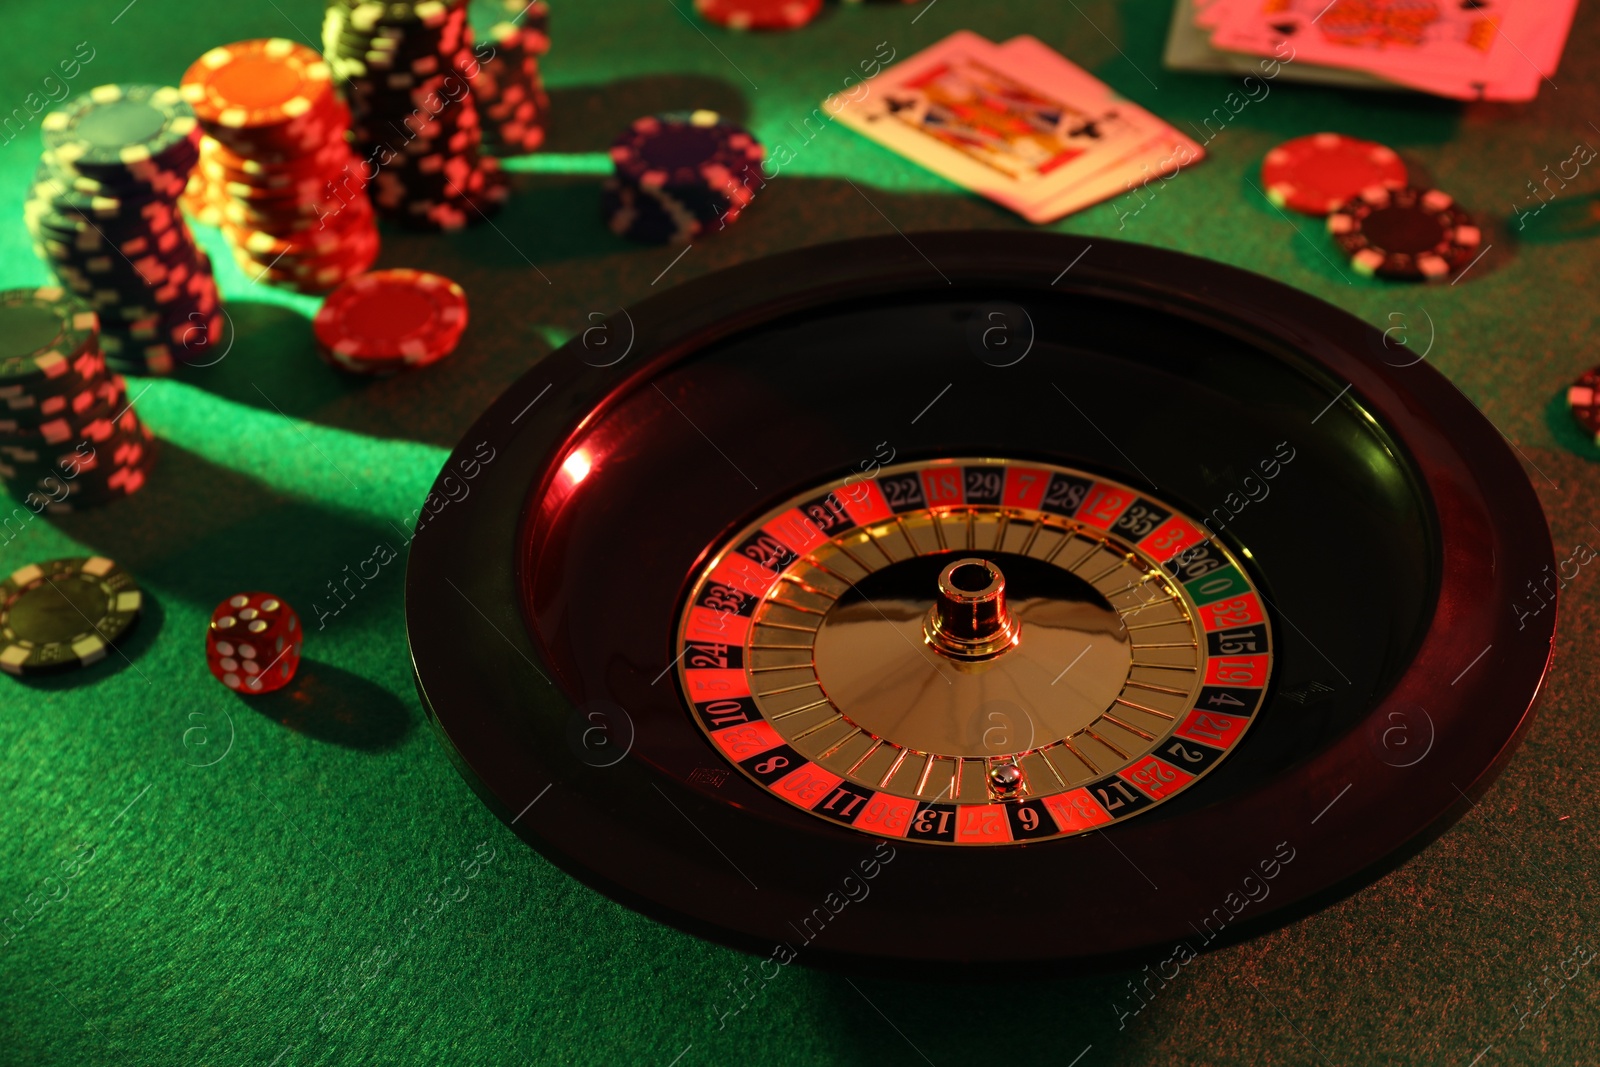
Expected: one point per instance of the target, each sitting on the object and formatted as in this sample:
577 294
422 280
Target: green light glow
384 479
560 163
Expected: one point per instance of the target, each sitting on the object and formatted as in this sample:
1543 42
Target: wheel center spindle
969 620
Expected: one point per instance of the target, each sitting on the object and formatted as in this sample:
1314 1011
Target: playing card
1468 51
1550 34
957 109
1189 47
1163 153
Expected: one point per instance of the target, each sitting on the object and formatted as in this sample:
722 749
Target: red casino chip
759 14
261 83
1583 399
391 319
1405 233
1317 173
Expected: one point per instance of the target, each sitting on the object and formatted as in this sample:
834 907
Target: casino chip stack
390 320
509 91
69 438
406 68
679 175
275 171
103 214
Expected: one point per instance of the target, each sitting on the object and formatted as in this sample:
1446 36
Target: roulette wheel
981 598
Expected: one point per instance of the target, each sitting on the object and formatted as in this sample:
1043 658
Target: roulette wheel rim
496 676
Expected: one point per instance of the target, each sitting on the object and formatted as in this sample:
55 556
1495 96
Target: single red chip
759 14
392 318
1317 173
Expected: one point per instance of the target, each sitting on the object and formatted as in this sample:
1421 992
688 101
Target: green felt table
242 878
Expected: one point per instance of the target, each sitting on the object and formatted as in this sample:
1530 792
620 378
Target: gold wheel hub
966 673
969 620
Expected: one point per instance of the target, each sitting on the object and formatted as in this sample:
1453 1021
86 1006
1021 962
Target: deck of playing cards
1014 122
1465 49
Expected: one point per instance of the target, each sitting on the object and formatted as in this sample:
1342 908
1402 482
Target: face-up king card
961 110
